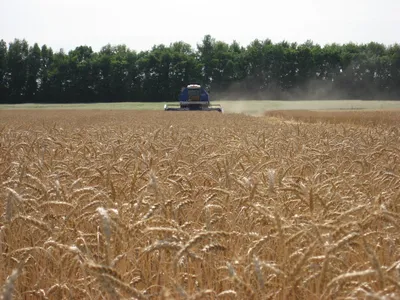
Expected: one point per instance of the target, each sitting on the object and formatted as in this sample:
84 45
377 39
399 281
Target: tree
206 58
261 70
33 70
4 92
17 70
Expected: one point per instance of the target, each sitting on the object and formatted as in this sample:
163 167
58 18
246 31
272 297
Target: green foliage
261 70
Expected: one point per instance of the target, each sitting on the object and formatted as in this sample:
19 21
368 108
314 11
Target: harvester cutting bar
193 106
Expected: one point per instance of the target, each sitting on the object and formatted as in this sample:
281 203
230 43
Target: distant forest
261 70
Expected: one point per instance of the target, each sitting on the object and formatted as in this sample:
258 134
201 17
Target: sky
142 24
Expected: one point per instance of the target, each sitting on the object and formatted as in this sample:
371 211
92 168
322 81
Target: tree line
261 70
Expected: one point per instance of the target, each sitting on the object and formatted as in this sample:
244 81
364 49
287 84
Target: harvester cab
193 97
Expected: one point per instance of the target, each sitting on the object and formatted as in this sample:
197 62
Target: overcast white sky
142 24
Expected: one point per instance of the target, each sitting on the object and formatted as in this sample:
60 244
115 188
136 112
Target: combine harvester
193 97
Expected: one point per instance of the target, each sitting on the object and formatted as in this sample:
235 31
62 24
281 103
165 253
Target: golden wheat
155 205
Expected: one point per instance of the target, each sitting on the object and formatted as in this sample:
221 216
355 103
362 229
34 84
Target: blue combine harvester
193 97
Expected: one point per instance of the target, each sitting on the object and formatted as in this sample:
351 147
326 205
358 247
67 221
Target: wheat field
165 205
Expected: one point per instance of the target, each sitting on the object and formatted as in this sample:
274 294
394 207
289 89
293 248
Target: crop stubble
197 205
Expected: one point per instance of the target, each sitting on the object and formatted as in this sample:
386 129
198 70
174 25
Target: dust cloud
242 97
